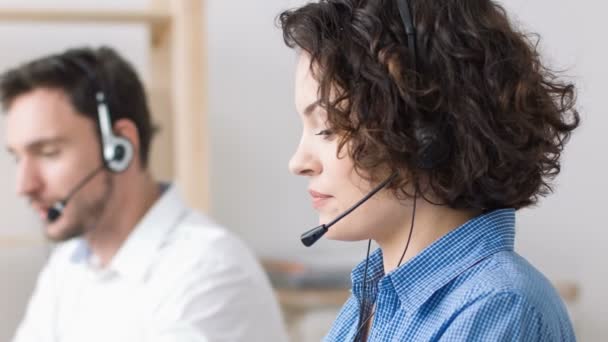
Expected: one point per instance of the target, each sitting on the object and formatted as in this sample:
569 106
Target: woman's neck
431 222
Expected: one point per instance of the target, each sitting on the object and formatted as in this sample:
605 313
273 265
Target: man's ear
127 129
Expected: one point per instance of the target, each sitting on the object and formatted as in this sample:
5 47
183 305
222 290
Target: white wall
566 236
254 130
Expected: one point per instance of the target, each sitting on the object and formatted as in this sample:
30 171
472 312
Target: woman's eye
325 133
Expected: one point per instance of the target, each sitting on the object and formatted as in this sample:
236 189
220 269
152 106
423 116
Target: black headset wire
410 31
363 323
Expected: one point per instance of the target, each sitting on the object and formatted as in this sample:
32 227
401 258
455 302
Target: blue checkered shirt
468 286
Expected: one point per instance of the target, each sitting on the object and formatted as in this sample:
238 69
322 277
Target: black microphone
313 235
56 210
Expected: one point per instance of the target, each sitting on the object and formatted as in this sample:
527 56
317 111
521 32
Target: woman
448 110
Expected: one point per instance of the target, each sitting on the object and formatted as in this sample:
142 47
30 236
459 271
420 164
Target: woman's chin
343 234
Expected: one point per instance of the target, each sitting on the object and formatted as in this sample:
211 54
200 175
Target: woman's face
334 186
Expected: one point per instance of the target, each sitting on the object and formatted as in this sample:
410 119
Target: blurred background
250 128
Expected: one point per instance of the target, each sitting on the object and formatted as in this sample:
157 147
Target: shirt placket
387 303
371 292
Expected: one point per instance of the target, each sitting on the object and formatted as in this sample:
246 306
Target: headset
432 151
433 148
116 151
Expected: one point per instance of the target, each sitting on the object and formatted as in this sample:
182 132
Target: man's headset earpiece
433 148
116 151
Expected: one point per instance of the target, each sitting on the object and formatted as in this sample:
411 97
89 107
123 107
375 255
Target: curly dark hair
505 115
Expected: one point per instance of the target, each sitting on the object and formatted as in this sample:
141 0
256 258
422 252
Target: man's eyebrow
37 144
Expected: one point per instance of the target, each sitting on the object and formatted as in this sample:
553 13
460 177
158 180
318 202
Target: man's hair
80 72
505 116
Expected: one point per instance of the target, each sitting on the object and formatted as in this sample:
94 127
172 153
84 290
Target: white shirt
178 277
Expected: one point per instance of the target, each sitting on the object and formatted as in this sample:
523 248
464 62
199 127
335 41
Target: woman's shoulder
507 277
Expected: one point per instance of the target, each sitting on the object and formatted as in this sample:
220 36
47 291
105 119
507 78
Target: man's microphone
313 235
56 210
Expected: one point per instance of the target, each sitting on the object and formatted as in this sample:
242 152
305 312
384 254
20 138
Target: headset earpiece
117 151
120 156
433 150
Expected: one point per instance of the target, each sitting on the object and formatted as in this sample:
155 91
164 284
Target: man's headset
116 151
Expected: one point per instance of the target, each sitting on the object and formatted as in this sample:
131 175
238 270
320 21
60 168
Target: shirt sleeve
499 317
218 301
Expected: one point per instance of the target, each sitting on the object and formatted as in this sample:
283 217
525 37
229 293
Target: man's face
55 148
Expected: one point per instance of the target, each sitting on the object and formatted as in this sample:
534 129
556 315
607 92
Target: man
133 262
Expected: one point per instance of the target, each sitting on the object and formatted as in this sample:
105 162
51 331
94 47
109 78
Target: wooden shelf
157 21
307 299
150 17
17 241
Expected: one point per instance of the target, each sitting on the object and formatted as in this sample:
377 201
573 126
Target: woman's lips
319 199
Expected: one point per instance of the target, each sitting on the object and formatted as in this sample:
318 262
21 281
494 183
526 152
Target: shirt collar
418 279
137 252
375 271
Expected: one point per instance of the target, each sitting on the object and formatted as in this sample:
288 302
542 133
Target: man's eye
49 153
